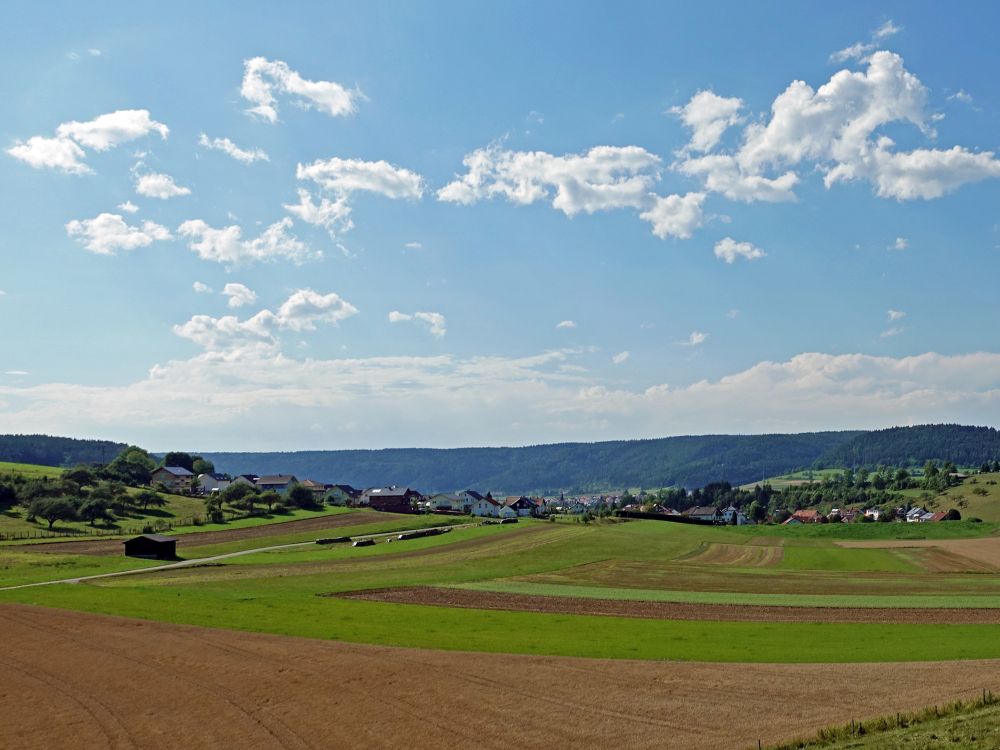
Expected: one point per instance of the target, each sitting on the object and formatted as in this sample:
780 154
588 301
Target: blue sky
361 225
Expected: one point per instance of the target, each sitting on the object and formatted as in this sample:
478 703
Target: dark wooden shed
152 546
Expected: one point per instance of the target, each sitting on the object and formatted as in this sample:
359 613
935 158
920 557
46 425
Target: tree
132 466
202 466
270 498
8 495
52 509
82 475
179 458
953 515
95 509
148 498
757 511
301 497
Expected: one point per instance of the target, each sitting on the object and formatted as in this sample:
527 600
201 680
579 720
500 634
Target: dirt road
91 681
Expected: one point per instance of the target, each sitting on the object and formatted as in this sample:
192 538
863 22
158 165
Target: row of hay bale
369 541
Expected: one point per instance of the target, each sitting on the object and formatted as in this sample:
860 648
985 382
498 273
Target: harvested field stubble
81 680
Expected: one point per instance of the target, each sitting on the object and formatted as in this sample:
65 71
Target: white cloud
233 339
226 146
334 216
346 176
604 178
263 78
201 287
696 338
3 293
893 331
722 173
961 96
620 357
239 294
675 215
112 129
157 185
436 322
886 30
16 373
729 250
445 400
107 233
50 153
860 50
128 207
896 314
414 246
708 115
566 324
227 246
901 243
733 314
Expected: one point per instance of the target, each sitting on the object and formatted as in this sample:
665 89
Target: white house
485 507
174 478
732 511
210 483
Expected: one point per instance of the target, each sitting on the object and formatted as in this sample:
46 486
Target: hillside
912 446
689 461
48 450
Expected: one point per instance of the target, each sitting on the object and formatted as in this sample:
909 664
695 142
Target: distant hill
914 446
56 451
690 461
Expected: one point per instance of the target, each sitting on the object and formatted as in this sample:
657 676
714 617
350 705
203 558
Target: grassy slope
969 502
279 593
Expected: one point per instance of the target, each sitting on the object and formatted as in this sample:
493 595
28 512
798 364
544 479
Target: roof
388 491
346 488
277 479
152 537
515 499
939 516
702 510
177 471
488 499
474 495
312 483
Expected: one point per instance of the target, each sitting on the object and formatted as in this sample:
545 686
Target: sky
363 225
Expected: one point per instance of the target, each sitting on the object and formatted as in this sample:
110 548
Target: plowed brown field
451 597
77 680
199 538
985 550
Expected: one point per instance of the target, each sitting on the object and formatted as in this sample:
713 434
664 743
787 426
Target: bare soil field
199 538
92 681
985 550
450 597
736 555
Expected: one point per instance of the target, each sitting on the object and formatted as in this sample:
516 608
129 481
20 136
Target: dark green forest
56 451
913 446
570 467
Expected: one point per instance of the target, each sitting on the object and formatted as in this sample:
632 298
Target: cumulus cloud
901 243
696 338
675 215
566 324
961 96
892 331
620 357
65 152
729 250
603 178
263 79
232 338
708 115
239 294
226 146
896 315
157 185
201 287
835 129
51 153
128 207
860 50
435 322
346 176
227 246
108 233
414 246
332 215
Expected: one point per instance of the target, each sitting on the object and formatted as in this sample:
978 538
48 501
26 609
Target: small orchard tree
148 499
270 498
95 509
52 509
301 497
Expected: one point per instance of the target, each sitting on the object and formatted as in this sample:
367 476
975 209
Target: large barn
152 546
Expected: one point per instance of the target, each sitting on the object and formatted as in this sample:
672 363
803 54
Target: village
395 499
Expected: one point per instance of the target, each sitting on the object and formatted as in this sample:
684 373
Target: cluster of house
913 515
730 515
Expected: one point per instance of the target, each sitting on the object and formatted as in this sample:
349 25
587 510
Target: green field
294 591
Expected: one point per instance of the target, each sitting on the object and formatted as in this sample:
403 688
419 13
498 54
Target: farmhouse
805 516
152 546
318 489
342 494
485 507
390 499
277 482
733 515
520 505
704 513
209 483
174 478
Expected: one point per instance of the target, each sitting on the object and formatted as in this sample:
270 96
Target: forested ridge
688 461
